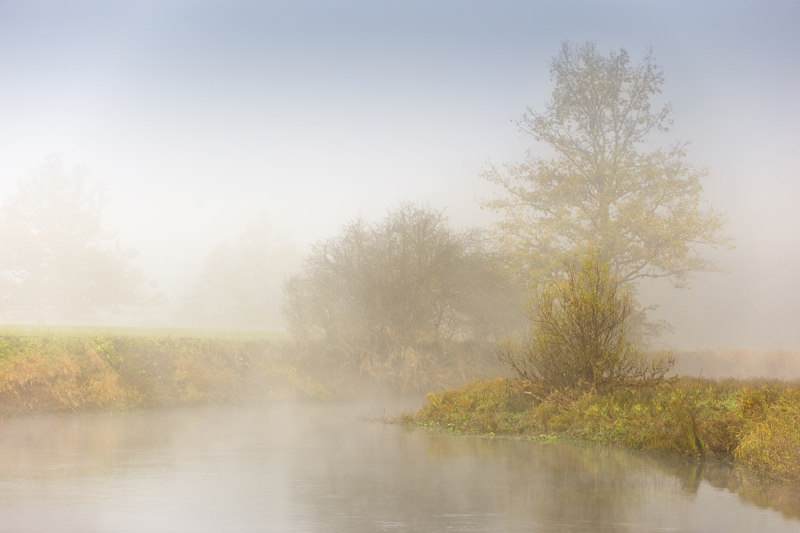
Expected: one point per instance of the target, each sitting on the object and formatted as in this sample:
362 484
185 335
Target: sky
202 116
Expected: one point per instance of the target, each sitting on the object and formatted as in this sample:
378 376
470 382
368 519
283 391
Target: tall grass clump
772 440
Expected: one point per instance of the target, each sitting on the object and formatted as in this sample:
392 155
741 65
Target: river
318 468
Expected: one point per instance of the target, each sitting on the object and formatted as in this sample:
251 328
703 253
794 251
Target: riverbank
72 370
45 369
753 423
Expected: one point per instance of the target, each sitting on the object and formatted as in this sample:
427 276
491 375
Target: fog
205 120
314 467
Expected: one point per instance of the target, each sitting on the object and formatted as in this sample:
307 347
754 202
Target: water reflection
317 468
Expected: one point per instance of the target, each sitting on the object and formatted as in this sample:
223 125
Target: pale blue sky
201 115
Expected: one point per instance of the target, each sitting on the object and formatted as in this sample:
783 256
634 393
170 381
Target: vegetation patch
63 372
407 301
752 423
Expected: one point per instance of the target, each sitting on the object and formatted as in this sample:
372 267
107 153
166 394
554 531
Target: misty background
210 122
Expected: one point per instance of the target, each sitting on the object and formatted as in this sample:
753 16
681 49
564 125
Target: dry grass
77 371
45 375
754 423
64 369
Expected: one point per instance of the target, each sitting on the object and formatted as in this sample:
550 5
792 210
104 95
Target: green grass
753 423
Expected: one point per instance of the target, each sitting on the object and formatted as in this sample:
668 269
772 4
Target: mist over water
290 467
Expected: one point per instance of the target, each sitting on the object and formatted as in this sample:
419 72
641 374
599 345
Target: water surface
318 468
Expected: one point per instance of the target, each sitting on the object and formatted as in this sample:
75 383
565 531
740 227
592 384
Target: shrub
579 326
399 298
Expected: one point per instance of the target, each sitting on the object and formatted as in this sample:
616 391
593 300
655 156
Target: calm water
318 468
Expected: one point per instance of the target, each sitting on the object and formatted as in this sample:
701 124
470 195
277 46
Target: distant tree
579 324
390 297
240 285
640 209
56 261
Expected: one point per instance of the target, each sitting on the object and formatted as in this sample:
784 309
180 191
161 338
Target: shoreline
753 424
72 373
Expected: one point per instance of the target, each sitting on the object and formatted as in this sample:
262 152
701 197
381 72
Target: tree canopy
605 187
56 261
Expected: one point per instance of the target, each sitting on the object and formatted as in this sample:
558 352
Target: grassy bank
75 370
752 423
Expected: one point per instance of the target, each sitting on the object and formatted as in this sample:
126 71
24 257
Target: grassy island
752 423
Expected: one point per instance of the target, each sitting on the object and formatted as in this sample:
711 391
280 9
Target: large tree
57 264
604 185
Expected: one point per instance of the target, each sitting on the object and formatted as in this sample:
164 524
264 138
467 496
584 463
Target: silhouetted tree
391 297
240 284
56 261
641 210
